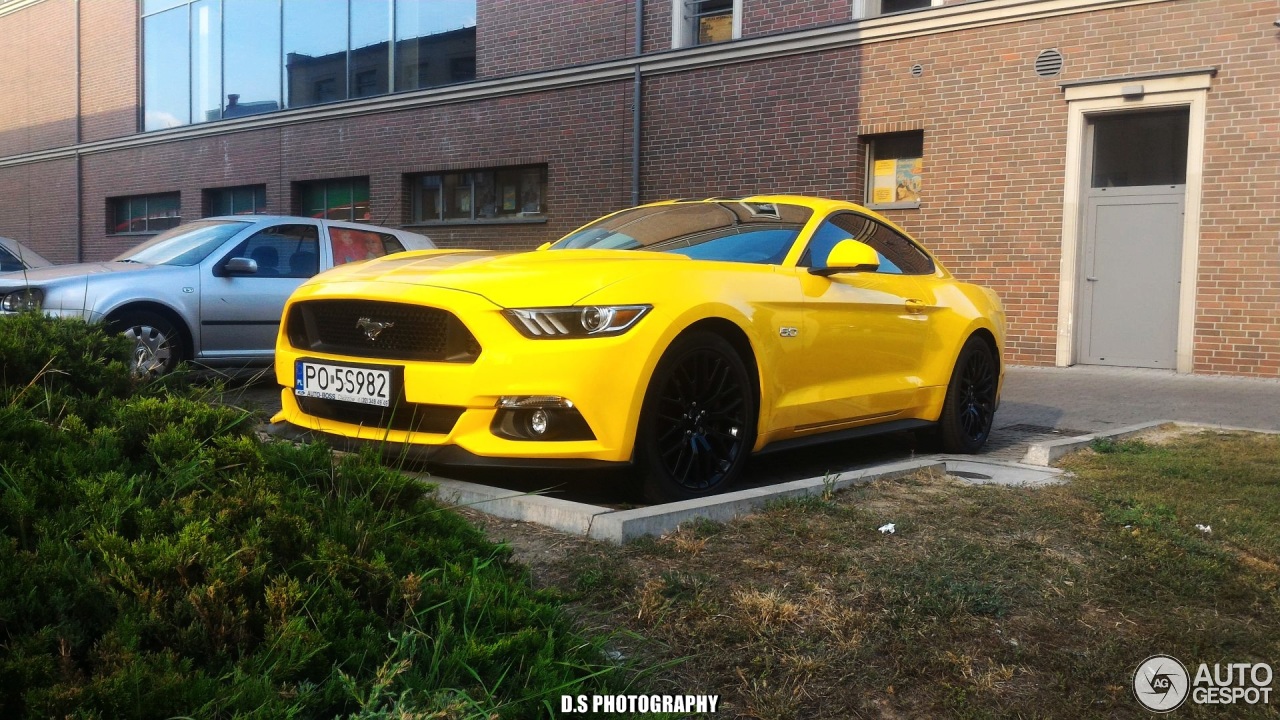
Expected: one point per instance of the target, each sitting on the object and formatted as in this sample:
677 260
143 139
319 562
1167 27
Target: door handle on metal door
1092 279
915 307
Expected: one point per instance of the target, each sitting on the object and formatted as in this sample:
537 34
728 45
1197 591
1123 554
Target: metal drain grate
1044 430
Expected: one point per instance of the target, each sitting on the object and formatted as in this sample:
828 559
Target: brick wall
39 207
37 77
995 139
518 37
109 80
581 134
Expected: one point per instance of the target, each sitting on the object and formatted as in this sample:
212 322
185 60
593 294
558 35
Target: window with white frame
703 22
876 8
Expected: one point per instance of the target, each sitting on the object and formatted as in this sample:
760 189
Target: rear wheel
698 422
157 343
970 404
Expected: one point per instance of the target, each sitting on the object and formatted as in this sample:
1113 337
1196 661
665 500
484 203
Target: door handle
915 307
1092 279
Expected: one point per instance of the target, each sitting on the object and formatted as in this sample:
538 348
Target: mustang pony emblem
373 328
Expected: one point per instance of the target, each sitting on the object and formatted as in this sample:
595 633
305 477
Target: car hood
51 273
530 279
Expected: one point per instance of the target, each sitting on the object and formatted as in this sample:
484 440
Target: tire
698 422
159 345
970 405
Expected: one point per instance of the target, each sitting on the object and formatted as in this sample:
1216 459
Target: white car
210 291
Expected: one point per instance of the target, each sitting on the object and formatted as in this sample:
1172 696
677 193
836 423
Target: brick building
1111 167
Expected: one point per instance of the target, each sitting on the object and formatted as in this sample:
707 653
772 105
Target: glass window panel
1135 149
219 202
532 185
315 51
897 168
426 198
370 47
137 214
893 6
435 42
485 198
152 6
508 192
338 201
349 245
162 212
251 61
457 196
206 61
311 199
360 199
166 59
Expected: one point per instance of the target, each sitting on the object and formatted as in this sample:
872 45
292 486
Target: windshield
184 245
733 231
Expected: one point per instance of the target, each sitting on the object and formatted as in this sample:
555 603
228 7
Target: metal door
1133 224
240 314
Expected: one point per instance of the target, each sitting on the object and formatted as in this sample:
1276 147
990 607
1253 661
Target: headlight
24 299
575 322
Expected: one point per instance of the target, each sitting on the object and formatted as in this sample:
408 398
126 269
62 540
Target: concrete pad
1045 453
624 525
1009 474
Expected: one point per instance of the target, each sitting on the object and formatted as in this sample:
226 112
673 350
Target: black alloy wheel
698 423
970 405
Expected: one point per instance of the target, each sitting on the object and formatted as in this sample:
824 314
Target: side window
898 252
898 255
288 251
8 263
831 231
351 245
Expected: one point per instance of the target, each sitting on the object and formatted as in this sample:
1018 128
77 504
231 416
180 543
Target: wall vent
1049 63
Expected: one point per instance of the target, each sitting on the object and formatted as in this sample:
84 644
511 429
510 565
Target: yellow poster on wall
884 181
908 180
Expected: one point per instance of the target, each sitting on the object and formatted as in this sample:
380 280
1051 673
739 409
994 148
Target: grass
987 602
158 560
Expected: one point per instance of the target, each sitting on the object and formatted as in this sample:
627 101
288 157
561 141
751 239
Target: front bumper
604 377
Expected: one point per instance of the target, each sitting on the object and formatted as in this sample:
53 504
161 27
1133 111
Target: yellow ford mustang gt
679 336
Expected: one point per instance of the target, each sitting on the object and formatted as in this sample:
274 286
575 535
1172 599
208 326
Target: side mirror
847 256
241 266
543 246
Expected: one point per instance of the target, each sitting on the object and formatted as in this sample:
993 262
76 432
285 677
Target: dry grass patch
987 602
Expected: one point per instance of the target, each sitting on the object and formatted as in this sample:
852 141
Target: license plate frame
357 383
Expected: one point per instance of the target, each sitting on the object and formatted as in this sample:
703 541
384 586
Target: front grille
406 416
400 331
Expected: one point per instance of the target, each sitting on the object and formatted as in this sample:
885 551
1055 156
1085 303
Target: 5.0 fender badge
785 331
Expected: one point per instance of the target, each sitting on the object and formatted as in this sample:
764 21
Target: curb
620 526
1043 454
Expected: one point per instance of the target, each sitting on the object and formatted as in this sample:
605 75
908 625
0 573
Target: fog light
538 422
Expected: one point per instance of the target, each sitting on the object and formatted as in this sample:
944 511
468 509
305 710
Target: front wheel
157 343
970 405
698 421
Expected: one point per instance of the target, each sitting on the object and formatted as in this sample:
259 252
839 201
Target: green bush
158 560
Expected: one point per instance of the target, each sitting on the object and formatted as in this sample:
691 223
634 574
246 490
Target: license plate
367 386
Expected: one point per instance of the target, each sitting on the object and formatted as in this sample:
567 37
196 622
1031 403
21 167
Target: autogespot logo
1161 683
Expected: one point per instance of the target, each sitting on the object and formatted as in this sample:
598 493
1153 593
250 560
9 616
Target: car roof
300 218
